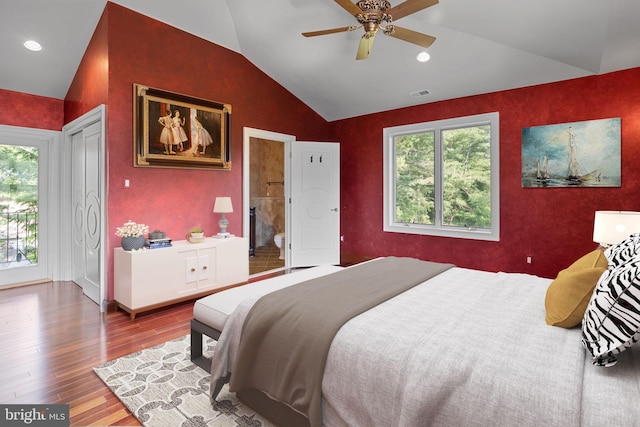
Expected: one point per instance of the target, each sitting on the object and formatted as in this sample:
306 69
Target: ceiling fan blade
331 31
408 7
349 6
366 43
411 36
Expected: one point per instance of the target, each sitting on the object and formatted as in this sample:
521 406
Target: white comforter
466 348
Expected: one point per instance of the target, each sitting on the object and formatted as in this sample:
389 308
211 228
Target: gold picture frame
179 131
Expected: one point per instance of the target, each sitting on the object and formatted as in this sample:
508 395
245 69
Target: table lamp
223 206
611 227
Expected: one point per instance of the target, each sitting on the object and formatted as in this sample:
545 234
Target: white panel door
85 170
315 204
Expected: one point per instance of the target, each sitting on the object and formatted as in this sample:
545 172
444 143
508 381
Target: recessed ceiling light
32 45
423 57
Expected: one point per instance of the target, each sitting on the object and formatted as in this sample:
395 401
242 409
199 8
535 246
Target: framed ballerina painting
179 131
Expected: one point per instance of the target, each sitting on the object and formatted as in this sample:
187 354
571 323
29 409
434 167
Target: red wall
31 111
145 51
90 84
553 226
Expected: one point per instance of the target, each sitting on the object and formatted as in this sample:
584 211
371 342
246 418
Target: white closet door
85 155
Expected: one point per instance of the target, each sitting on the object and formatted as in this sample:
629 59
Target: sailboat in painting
543 173
575 175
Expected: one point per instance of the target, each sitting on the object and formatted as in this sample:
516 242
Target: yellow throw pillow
569 294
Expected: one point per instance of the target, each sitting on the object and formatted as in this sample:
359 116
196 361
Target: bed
465 347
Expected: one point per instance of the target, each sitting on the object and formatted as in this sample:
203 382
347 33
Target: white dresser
148 279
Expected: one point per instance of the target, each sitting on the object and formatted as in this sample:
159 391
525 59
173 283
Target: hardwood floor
52 336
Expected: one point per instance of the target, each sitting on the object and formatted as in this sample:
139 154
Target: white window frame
437 229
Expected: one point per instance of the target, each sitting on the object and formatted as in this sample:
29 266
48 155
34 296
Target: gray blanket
287 334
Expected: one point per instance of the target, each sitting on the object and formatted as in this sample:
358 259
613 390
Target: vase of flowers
132 235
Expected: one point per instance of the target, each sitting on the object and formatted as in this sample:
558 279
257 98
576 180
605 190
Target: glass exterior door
23 206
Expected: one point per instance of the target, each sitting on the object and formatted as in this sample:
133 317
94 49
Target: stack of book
164 242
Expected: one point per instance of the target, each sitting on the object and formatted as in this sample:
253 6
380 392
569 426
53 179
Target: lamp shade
223 205
611 227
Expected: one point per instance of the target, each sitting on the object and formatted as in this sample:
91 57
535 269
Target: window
441 178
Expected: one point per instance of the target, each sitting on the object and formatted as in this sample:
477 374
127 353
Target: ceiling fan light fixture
423 56
33 45
371 14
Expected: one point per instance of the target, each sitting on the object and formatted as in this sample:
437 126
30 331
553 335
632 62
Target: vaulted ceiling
480 47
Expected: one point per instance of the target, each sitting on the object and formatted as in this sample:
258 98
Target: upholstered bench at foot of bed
211 312
198 329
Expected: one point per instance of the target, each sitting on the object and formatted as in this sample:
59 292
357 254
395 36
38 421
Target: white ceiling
481 46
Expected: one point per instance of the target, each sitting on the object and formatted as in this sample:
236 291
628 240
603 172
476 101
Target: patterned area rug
161 388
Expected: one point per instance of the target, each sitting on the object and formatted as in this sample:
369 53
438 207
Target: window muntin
442 178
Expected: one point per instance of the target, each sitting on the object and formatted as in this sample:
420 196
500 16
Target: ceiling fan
372 13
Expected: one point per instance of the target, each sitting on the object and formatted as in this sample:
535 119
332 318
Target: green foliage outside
466 178
415 186
19 198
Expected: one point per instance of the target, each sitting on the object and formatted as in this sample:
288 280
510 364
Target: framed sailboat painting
578 154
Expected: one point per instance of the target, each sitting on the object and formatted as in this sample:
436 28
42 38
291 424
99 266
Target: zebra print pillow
611 323
624 251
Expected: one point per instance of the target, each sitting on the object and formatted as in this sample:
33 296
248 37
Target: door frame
98 114
287 140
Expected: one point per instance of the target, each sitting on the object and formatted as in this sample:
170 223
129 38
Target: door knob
334 210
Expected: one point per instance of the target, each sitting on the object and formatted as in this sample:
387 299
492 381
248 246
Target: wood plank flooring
51 337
